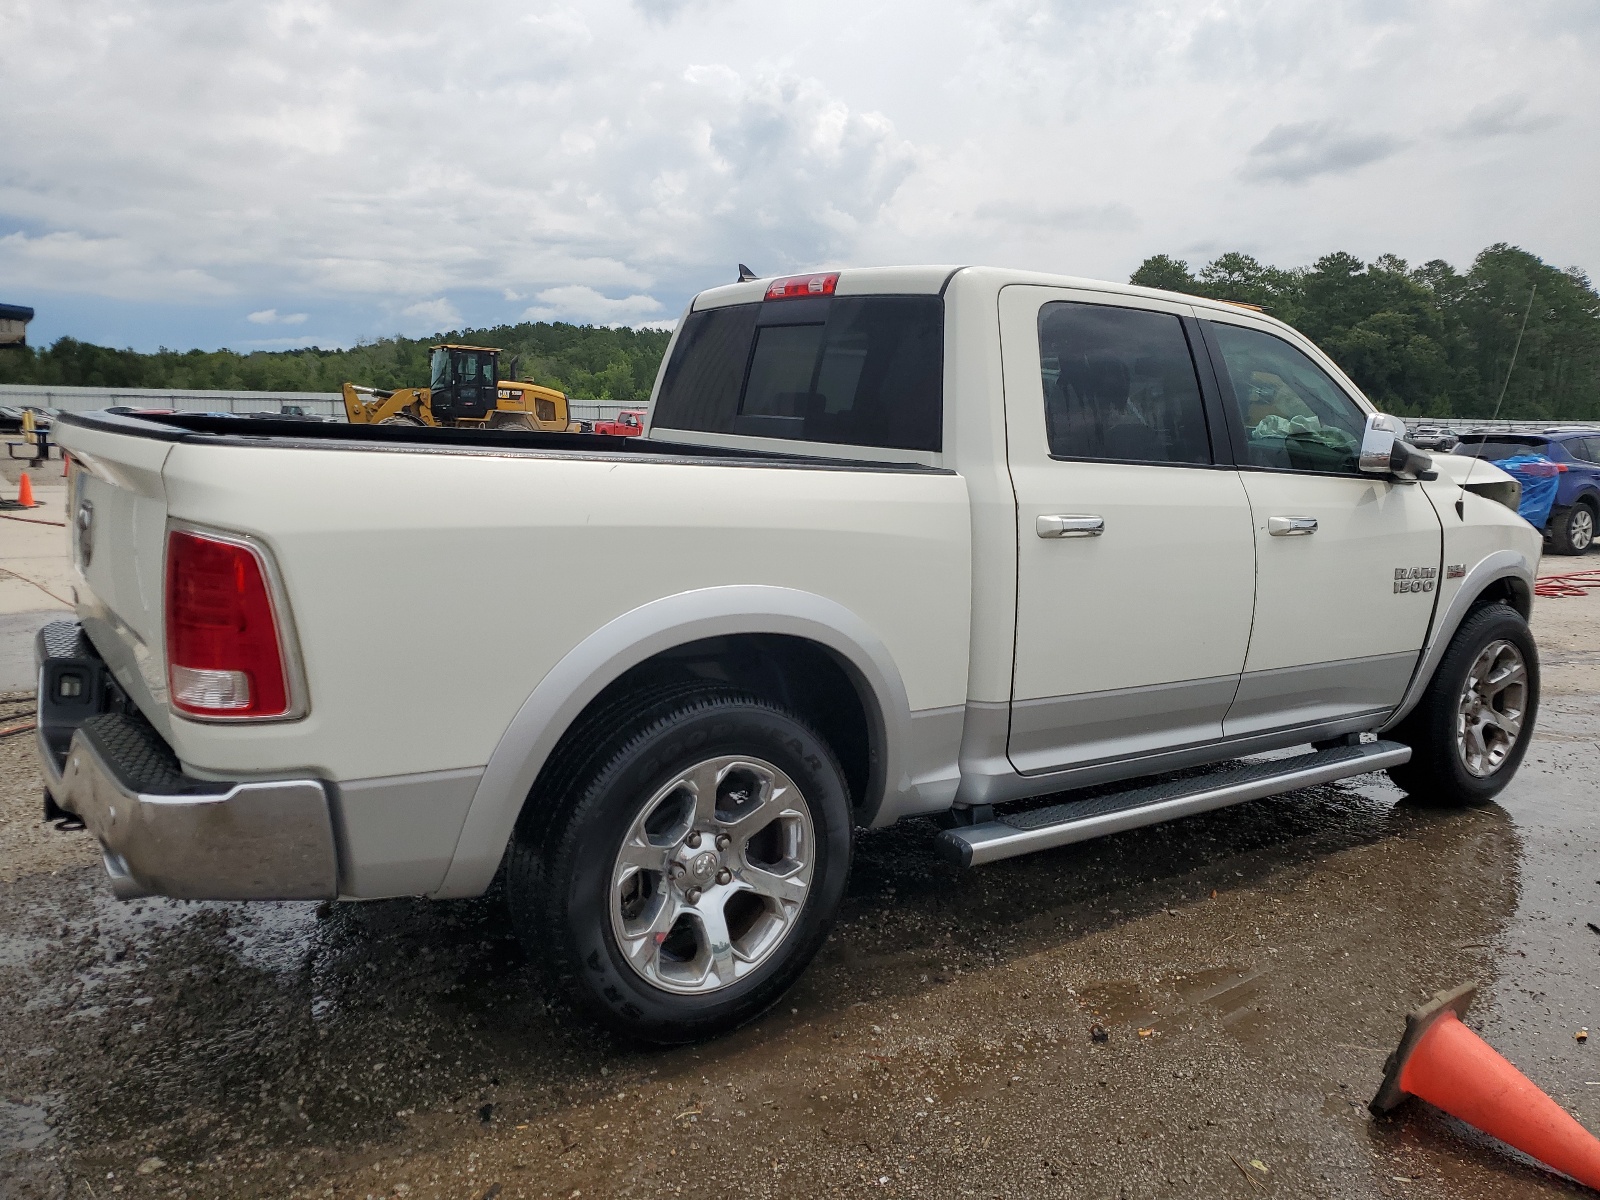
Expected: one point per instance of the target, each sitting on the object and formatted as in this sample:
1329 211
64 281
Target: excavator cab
464 382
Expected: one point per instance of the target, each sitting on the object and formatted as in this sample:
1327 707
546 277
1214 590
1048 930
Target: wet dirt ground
1251 968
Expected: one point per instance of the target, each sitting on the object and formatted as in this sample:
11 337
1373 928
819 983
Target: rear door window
853 370
1119 385
1495 449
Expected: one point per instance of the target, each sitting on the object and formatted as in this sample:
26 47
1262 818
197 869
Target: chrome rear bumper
166 833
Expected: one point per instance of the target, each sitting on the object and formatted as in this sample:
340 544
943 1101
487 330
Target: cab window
1119 385
1294 416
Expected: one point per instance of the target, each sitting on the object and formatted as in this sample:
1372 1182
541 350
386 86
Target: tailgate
117 517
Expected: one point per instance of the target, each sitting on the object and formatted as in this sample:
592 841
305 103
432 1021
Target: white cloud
403 162
1303 150
584 305
431 316
271 316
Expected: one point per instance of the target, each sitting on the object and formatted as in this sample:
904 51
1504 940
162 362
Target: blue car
1576 455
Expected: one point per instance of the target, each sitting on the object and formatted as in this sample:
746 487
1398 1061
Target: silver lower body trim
1023 833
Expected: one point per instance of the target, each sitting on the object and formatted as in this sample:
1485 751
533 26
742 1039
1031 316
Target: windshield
439 369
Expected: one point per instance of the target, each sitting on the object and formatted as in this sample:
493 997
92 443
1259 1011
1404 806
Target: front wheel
1471 728
691 871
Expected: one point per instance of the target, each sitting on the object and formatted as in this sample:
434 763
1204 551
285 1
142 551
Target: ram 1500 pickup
912 542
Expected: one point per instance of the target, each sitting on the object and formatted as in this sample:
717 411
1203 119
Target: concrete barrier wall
322 404
87 399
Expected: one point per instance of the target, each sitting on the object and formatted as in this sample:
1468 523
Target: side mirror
1385 451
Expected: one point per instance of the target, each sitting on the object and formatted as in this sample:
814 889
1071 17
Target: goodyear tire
679 876
1470 730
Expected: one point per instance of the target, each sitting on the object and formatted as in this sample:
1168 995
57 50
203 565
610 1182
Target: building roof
15 312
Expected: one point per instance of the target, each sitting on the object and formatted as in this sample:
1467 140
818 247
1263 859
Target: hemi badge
1456 571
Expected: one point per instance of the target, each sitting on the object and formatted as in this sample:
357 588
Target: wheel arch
1504 577
756 630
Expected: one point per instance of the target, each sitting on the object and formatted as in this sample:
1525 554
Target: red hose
1575 583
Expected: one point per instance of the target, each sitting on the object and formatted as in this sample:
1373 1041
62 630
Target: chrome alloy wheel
1580 528
712 874
1490 711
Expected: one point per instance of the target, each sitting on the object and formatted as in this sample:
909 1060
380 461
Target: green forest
1429 340
585 361
1421 341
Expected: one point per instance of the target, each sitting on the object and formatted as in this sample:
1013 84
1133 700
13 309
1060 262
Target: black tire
403 419
1438 773
559 874
1572 531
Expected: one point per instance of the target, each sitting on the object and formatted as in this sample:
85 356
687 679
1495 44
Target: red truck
629 423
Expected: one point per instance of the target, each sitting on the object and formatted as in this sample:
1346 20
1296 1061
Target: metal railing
91 399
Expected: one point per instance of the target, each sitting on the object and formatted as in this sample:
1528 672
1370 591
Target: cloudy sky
267 173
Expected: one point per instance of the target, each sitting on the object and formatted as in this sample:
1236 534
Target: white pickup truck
913 542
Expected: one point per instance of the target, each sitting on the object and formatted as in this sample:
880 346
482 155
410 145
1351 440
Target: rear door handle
1291 526
1065 526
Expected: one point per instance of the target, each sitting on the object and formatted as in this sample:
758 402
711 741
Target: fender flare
1502 564
629 640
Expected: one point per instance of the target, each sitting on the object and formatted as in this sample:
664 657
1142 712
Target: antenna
1510 367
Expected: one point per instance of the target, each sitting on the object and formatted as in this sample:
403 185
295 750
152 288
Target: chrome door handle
1291 526
1069 526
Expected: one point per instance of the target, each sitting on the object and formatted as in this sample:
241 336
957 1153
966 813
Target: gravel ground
1251 969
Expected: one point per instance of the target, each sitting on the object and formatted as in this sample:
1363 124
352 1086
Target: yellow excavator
464 391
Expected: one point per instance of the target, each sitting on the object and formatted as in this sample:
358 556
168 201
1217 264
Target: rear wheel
1572 532
1471 728
691 870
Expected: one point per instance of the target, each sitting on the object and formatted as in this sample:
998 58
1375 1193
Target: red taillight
802 285
1543 470
224 658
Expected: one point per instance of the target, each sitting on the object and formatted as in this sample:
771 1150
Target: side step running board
1080 820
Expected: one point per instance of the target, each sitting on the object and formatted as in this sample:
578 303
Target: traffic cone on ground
66 461
1443 1062
25 492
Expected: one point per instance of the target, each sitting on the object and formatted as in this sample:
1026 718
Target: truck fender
629 640
1502 564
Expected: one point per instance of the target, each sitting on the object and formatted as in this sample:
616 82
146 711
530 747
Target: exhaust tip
123 885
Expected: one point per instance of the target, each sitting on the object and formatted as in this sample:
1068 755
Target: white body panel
1102 614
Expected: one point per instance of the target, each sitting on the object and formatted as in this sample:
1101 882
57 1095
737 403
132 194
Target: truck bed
314 435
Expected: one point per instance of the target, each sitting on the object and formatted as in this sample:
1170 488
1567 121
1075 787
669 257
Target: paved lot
1251 967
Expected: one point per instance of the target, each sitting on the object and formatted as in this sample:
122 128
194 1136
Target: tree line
1420 341
1429 340
585 361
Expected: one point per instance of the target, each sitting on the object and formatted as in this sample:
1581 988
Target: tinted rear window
1494 449
854 370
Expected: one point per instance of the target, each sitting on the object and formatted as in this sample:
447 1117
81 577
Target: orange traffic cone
25 492
66 461
1443 1062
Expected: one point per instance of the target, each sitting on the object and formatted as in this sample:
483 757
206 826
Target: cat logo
1415 579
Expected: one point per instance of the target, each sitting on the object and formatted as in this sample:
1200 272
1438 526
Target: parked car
1433 437
11 417
895 543
627 423
1575 454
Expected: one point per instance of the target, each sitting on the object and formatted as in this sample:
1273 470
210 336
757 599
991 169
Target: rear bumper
161 831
